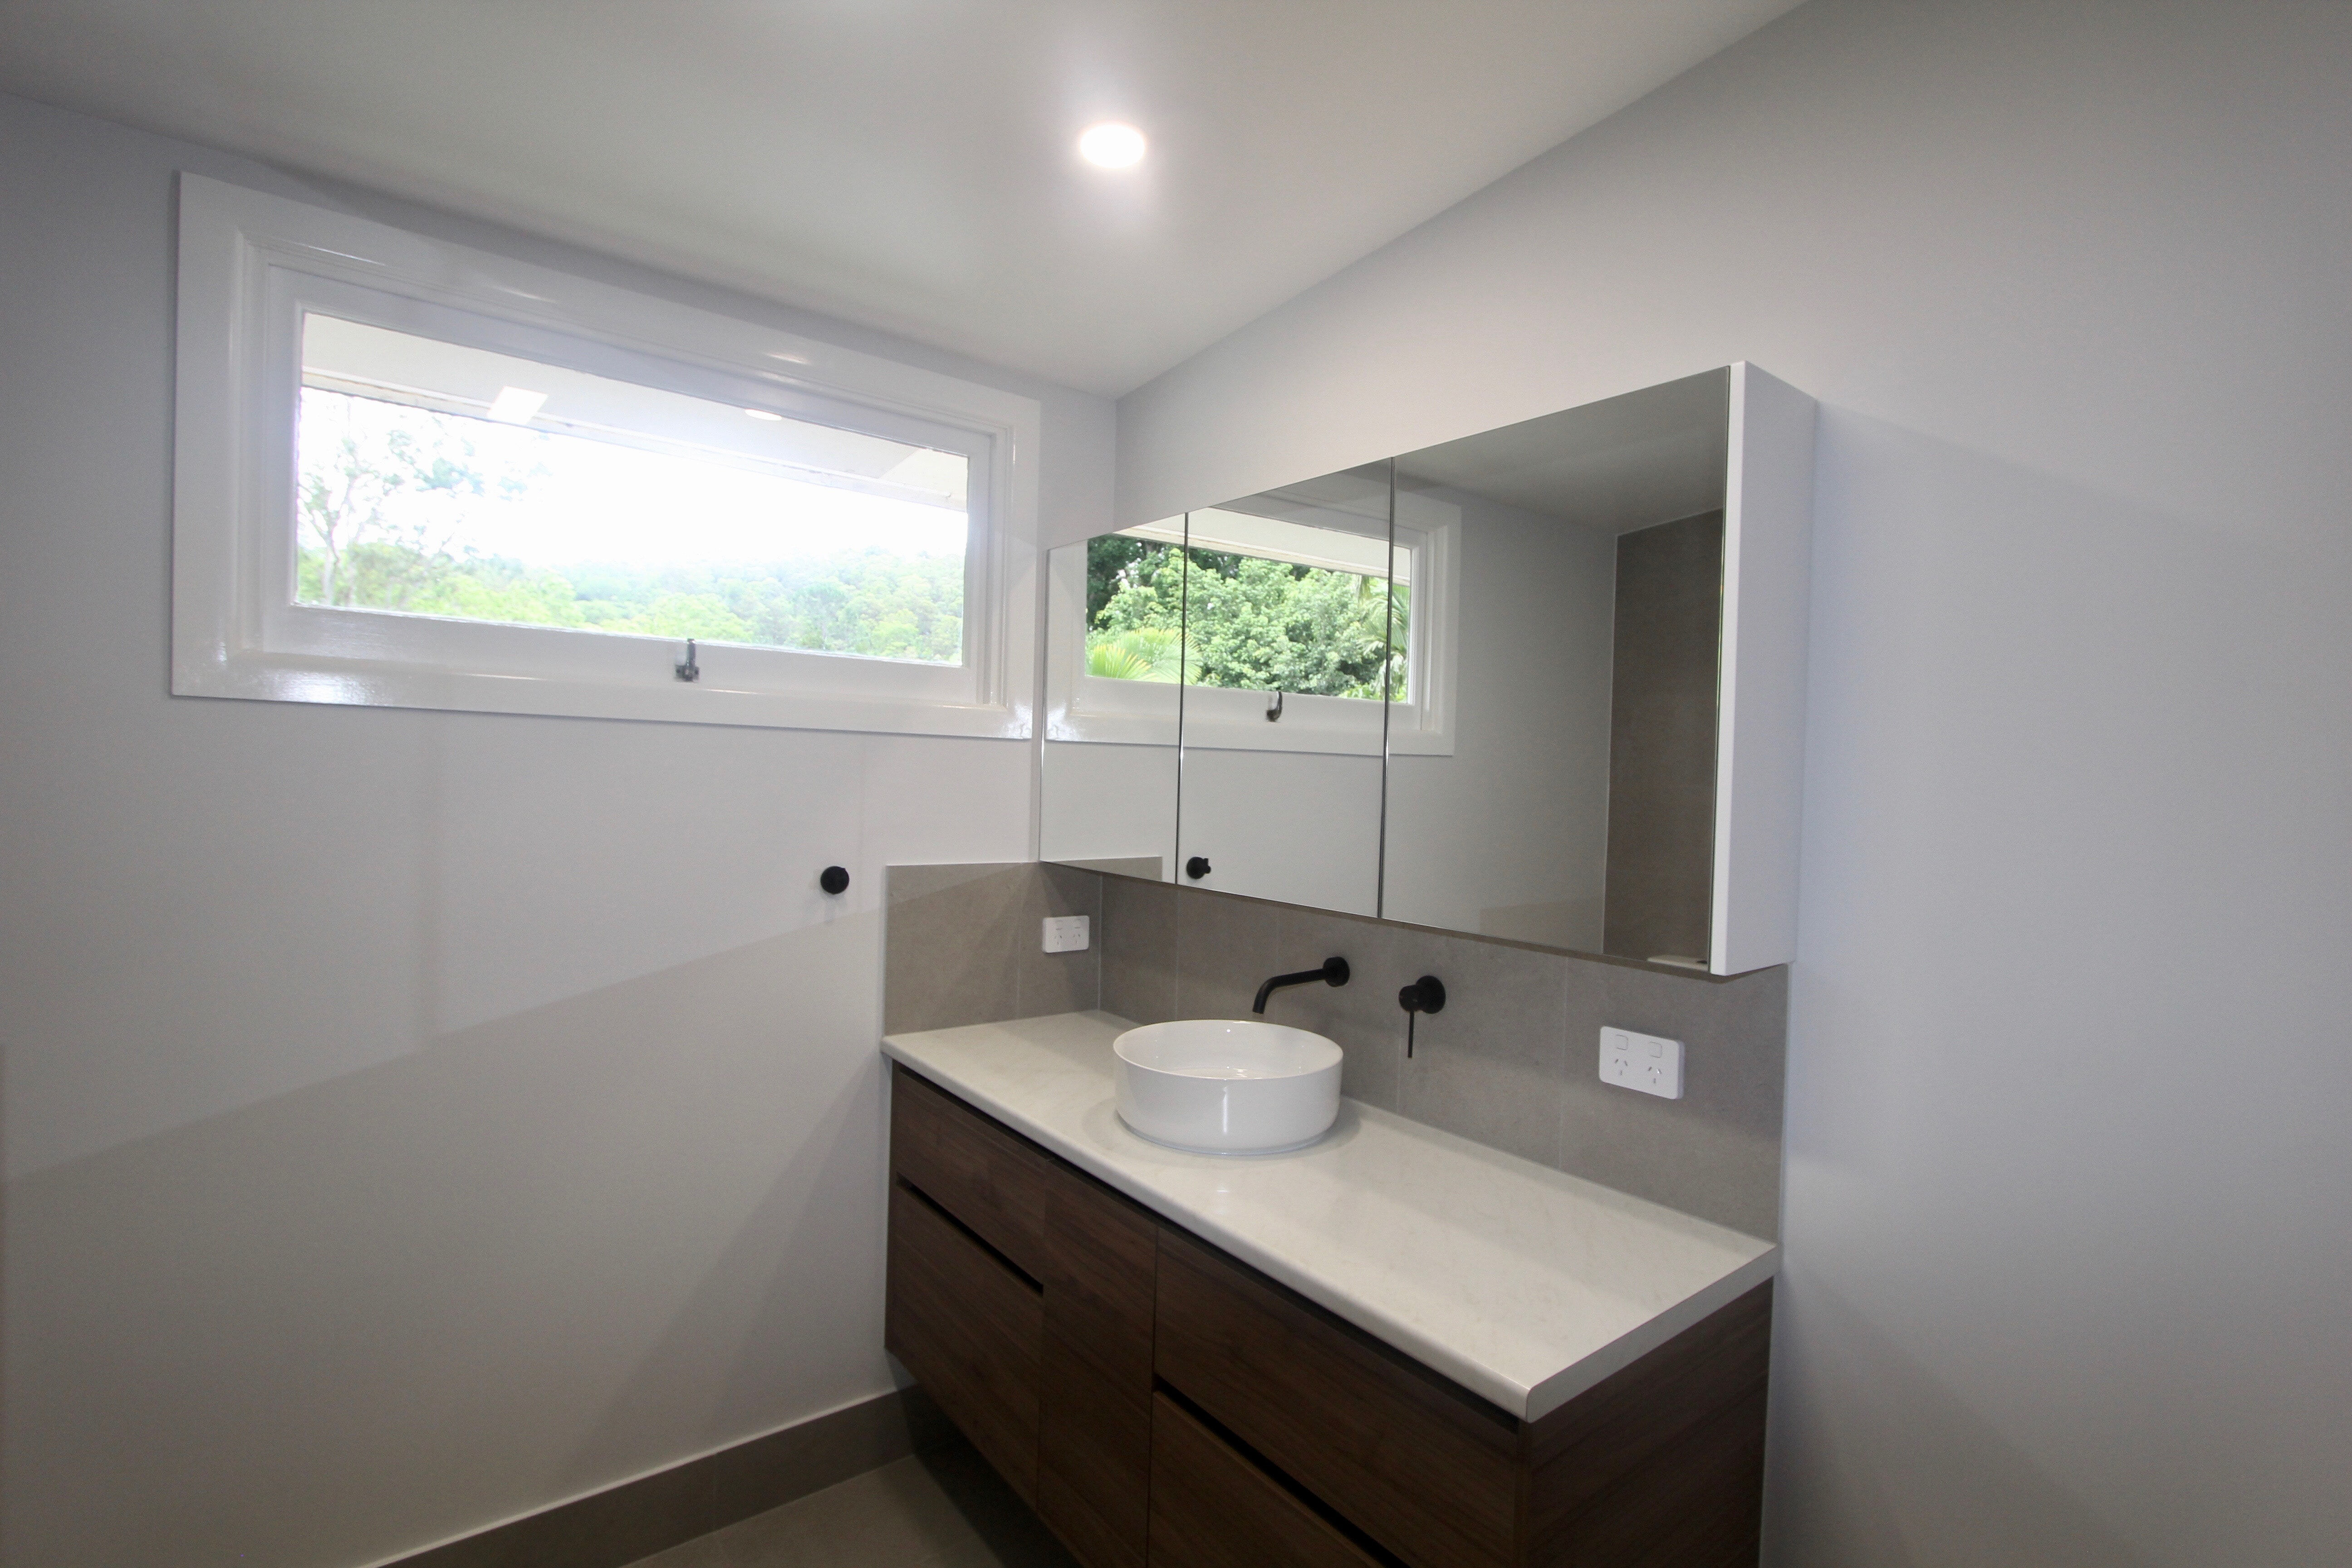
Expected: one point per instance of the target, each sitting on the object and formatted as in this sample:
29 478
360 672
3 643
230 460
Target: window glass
442 480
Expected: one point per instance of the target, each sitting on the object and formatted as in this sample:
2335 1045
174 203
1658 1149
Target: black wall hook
1426 995
834 879
1197 866
687 668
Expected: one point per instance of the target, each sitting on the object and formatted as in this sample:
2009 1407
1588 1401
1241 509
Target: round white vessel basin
1227 1086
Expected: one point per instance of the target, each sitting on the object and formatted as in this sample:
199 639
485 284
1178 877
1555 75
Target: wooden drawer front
1101 1279
1210 1508
1664 1460
971 1330
970 1166
1422 1467
1093 1460
1094 1453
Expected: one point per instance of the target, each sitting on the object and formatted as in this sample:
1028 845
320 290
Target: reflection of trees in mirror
1256 625
387 494
1134 609
1147 653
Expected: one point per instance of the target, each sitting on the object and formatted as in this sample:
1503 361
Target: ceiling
908 164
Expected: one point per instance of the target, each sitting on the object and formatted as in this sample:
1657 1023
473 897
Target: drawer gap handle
973 1236
1279 1477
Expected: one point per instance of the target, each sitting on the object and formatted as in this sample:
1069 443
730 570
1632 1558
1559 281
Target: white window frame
1088 708
251 265
1422 726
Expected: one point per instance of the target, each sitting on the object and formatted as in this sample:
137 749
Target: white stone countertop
1519 1282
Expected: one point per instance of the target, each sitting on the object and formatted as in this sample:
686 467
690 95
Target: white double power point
1650 1063
1067 933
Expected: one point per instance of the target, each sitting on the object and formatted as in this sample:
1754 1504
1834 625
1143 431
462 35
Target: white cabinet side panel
1761 724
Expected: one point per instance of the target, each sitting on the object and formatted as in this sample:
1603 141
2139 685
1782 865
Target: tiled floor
947 1509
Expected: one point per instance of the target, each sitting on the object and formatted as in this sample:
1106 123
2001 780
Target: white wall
2069 1178
412 1119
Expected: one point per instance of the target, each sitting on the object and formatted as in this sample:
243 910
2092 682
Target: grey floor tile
702 1551
944 1510
887 1516
1010 1535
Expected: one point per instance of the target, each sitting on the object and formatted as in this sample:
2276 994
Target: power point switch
1650 1063
1067 933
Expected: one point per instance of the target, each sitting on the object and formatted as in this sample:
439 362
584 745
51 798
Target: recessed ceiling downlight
1111 145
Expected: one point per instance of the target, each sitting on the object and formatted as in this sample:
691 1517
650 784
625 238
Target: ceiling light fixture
763 414
1111 145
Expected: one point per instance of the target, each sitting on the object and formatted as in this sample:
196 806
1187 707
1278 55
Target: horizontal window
438 479
537 494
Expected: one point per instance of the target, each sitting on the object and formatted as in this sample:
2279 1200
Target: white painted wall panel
413 1119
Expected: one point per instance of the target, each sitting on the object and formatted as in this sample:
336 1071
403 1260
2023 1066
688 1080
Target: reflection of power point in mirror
1065 933
1650 1063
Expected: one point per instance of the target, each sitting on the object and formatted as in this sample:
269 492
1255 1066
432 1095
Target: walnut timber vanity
1394 1346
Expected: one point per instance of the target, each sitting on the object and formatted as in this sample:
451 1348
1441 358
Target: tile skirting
621 1523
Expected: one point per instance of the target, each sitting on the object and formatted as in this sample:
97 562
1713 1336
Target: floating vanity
1391 1346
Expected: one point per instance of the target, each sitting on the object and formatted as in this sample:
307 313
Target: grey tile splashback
1139 950
1511 1062
963 944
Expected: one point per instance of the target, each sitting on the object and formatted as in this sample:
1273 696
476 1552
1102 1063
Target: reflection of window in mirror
1287 592
1135 608
1107 784
1267 604
1113 642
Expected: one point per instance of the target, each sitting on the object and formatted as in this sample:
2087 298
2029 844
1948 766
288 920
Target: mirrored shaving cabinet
1543 683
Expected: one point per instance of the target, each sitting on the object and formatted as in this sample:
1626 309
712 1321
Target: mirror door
1570 801
1544 683
1113 635
1290 644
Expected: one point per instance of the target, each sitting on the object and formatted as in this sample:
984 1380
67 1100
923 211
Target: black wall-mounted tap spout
1333 972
